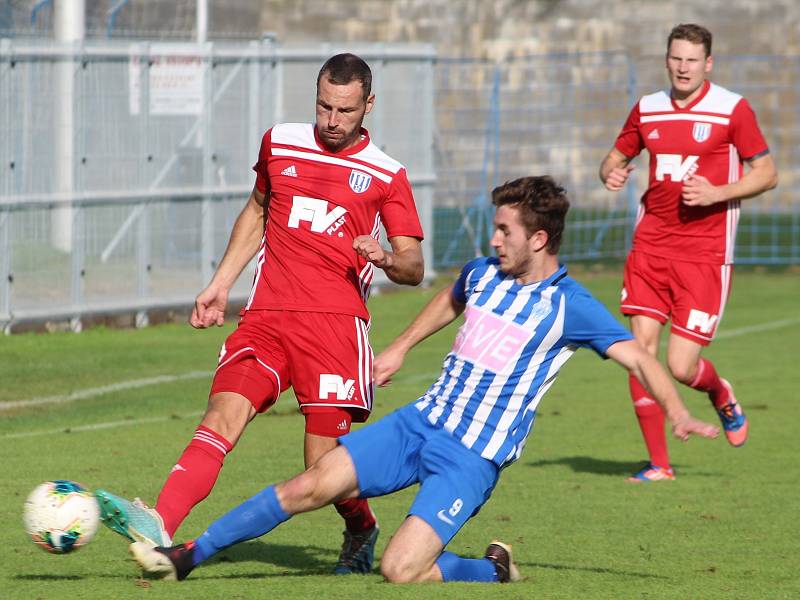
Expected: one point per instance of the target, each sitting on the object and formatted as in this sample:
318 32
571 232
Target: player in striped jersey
322 192
698 135
524 317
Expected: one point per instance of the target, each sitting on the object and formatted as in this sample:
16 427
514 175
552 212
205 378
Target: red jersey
319 201
709 137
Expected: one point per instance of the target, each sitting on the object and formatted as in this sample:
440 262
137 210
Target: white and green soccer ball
61 516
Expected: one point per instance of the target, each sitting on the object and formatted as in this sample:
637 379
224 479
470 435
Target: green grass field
726 528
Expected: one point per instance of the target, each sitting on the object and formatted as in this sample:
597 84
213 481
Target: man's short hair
542 203
696 34
345 68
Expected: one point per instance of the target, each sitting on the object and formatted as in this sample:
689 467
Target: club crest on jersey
701 131
359 181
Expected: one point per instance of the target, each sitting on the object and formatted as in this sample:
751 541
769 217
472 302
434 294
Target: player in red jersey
313 221
679 269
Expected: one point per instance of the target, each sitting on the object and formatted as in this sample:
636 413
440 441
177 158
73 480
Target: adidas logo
177 467
653 135
290 171
342 426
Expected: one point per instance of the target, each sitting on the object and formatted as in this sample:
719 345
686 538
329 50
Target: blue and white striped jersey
508 352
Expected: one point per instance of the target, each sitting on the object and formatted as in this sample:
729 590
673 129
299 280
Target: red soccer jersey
709 137
319 201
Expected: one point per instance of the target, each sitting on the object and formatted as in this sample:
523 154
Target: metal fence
560 114
124 166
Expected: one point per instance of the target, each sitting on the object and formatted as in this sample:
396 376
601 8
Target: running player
322 193
524 317
679 269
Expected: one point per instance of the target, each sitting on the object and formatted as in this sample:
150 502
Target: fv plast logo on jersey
330 383
315 211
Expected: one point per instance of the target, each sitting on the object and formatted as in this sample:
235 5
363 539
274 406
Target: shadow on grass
602 570
299 560
588 464
614 468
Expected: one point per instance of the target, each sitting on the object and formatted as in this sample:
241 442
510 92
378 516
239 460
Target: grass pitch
726 528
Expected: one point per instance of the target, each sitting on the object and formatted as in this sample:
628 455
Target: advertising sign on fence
175 81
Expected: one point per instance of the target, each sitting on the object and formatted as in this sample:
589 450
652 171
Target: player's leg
701 294
414 554
381 458
455 483
196 471
250 376
361 527
331 478
645 300
331 366
248 380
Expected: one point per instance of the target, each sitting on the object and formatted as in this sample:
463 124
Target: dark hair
542 204
697 34
345 68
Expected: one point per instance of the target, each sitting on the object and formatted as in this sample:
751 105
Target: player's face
687 65
515 248
340 112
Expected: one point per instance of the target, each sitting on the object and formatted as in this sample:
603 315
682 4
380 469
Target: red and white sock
357 514
193 477
707 380
651 422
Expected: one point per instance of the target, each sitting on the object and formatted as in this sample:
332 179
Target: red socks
192 477
357 514
707 380
651 422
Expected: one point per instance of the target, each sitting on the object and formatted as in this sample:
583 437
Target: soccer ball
61 516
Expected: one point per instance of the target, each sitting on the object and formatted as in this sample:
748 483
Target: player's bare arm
649 371
245 239
762 176
615 170
404 264
442 310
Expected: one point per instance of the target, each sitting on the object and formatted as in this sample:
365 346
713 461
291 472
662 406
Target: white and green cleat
133 520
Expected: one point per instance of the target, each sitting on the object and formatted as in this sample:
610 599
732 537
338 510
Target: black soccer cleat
504 567
173 563
358 552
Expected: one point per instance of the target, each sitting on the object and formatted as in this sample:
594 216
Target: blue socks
251 519
455 568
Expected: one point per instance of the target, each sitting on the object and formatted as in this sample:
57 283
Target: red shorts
326 358
691 295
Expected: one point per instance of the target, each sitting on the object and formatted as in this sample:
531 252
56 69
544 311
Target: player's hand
686 426
618 176
699 191
386 364
370 249
209 307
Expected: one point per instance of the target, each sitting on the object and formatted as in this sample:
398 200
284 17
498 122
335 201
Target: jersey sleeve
745 133
262 175
629 141
399 212
589 324
461 286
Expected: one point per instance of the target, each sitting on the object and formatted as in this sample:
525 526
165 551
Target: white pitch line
106 389
125 385
95 426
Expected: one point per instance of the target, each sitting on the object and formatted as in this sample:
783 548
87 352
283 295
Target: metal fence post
207 211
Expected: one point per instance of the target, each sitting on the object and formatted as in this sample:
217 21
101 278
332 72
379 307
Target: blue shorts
402 449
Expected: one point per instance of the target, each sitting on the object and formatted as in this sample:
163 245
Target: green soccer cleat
132 520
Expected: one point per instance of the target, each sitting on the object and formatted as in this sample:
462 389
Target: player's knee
397 568
681 370
228 414
299 494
